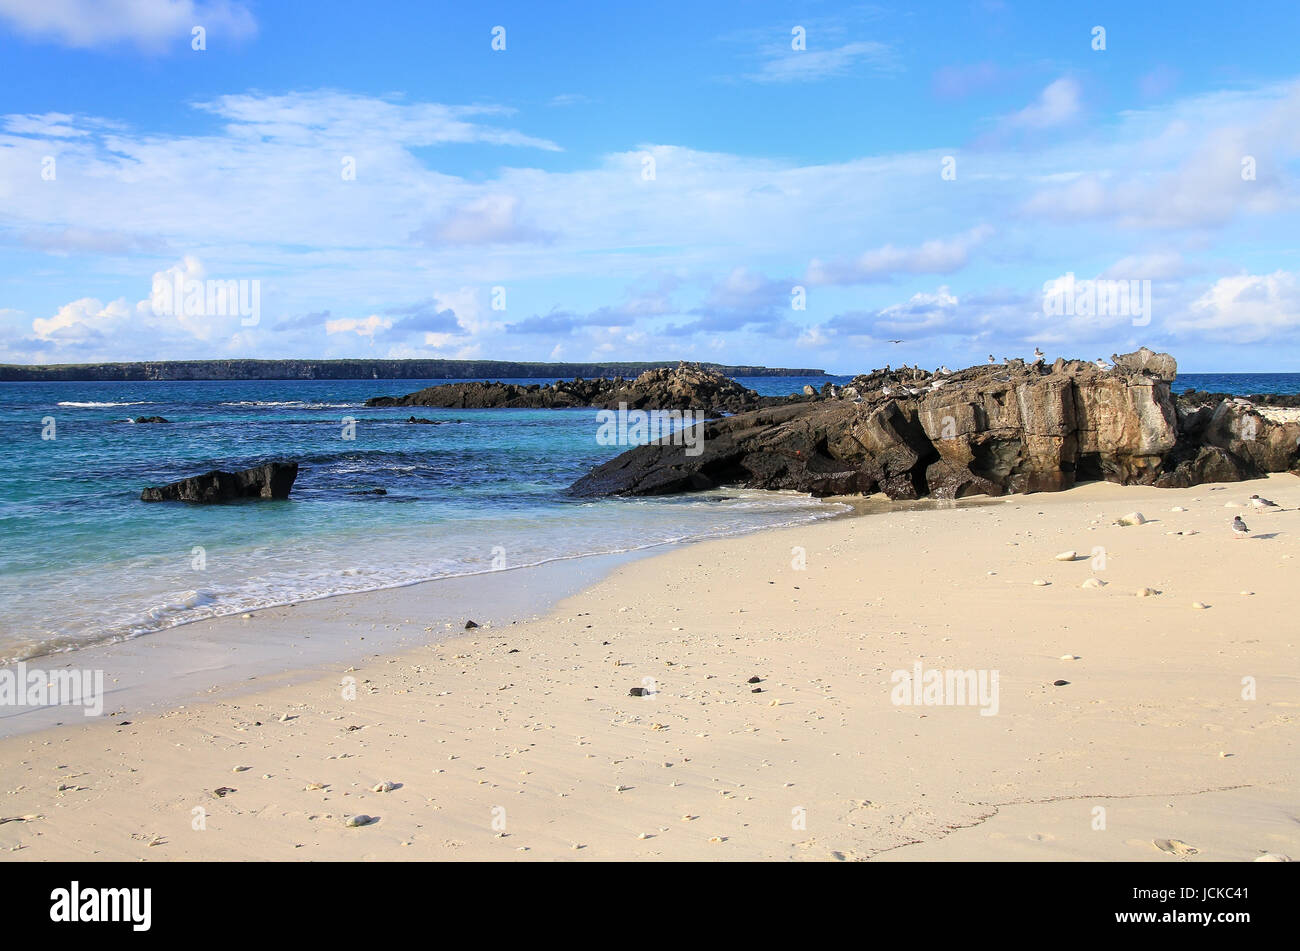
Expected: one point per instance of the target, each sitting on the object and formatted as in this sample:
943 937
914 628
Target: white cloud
1056 105
80 318
491 219
365 327
1245 308
937 256
152 25
786 65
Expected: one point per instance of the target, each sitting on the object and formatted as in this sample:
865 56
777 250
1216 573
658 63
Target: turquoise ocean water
83 561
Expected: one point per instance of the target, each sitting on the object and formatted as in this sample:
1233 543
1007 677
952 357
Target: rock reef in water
686 386
270 480
985 430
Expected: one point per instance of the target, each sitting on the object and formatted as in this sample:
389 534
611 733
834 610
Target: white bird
1103 365
937 383
944 370
885 391
1259 503
912 391
1007 361
1038 355
991 360
1239 529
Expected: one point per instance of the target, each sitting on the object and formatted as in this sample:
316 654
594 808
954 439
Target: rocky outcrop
151 419
684 387
270 480
985 430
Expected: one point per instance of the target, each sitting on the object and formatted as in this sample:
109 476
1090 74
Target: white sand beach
1176 725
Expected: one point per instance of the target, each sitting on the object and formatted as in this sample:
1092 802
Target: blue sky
650 181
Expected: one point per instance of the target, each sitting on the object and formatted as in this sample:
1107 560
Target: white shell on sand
1199 605
1174 846
1132 518
1093 583
1273 857
1040 583
1248 593
1069 657
383 786
353 822
1178 508
1067 555
1146 592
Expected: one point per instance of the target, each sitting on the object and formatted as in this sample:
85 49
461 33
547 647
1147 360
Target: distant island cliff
358 370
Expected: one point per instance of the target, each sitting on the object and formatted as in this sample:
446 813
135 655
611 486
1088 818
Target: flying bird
898 341
1239 529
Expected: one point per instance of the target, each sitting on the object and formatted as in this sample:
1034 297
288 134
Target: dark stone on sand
757 690
1060 683
470 625
270 480
754 680
637 692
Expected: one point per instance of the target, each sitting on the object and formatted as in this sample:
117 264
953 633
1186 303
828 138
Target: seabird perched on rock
991 360
943 370
912 391
1103 365
1259 503
1038 355
937 383
1239 529
885 391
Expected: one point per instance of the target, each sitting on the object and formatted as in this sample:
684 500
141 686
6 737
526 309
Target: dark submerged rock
270 480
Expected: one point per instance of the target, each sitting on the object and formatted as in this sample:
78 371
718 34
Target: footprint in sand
1174 846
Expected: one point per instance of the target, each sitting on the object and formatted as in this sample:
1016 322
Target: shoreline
171 664
534 718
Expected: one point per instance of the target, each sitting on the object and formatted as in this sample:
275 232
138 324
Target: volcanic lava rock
987 430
